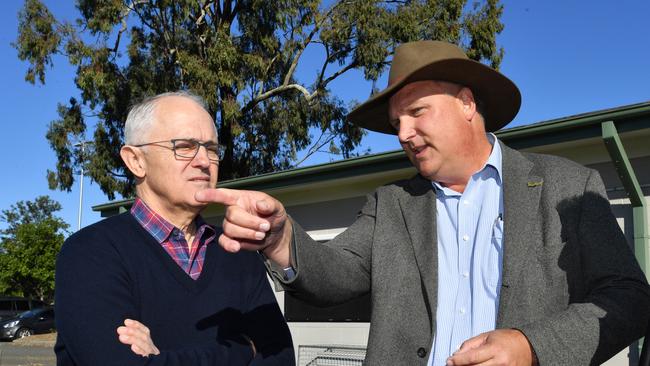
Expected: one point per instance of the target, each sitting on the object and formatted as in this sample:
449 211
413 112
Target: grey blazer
570 281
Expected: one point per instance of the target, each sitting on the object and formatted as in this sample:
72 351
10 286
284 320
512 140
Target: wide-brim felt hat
441 61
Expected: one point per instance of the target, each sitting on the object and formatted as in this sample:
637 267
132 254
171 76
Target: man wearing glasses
159 265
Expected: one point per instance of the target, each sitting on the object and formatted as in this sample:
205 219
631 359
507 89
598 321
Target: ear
134 160
468 103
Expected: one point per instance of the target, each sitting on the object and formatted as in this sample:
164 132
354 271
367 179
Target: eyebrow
194 139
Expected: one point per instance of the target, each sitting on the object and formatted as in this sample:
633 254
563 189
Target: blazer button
422 352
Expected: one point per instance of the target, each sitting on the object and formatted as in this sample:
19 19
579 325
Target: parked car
28 323
11 306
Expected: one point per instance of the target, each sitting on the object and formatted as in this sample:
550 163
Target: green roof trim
587 125
627 118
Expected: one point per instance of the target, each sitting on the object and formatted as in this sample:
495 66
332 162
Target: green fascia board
582 126
114 207
363 165
628 118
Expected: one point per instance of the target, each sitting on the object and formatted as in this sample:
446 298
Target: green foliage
29 246
241 56
38 39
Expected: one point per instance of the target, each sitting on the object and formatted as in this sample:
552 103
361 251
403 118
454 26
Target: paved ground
31 351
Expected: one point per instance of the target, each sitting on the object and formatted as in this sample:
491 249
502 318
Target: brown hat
435 60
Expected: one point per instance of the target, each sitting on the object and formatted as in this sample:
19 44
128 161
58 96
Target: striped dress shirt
470 256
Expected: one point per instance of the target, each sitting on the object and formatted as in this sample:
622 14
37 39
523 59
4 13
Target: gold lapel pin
535 184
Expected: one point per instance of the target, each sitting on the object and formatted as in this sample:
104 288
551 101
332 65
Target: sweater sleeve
94 296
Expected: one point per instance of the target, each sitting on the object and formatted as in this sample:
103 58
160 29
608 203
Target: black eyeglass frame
207 145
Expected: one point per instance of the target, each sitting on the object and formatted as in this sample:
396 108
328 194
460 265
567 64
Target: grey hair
141 115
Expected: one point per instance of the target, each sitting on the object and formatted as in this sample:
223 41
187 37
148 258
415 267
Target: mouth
200 179
417 150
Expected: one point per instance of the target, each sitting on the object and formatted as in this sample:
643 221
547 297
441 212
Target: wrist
279 252
533 356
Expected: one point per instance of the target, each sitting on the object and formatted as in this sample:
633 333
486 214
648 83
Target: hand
250 341
137 335
253 221
498 347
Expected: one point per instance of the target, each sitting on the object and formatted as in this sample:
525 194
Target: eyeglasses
188 148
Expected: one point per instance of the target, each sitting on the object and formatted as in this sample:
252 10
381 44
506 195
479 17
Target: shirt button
422 352
465 202
465 274
462 310
465 237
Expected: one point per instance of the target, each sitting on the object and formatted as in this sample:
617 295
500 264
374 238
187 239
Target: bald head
142 115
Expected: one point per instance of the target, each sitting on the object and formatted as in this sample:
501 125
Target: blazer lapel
419 212
521 194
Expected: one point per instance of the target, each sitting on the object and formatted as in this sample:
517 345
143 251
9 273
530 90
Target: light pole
82 146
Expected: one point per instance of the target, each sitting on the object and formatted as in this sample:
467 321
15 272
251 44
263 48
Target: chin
427 171
198 204
195 205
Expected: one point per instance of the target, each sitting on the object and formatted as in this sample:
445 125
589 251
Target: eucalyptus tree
242 57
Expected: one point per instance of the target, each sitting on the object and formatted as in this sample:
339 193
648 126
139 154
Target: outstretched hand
253 221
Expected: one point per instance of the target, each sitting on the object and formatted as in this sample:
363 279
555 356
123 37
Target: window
22 305
6 305
37 304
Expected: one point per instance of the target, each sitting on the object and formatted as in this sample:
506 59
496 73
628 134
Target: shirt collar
495 156
156 225
494 161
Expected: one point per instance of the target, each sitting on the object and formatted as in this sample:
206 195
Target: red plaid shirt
173 240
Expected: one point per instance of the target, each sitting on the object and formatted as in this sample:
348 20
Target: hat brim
499 95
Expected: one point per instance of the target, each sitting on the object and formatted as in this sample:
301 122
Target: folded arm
94 296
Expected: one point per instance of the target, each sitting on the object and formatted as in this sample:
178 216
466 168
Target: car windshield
27 314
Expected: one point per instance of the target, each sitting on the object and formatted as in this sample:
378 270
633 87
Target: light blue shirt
470 257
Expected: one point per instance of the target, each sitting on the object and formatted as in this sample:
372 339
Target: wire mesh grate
330 355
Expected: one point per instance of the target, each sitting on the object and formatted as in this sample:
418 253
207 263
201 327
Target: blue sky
566 56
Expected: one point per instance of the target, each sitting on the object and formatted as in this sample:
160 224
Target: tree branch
278 90
350 66
306 42
316 147
125 13
204 11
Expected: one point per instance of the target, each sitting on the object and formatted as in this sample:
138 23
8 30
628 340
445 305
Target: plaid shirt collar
160 228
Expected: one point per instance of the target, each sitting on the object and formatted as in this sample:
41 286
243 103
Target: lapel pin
535 184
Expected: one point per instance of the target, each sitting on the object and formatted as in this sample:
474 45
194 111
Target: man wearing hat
487 257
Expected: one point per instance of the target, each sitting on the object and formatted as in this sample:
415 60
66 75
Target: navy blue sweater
114 270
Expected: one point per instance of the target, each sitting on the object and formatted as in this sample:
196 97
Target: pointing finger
228 197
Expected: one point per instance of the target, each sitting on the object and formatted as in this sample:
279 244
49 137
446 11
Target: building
324 199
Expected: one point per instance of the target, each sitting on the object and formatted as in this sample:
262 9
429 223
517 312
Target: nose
201 157
405 131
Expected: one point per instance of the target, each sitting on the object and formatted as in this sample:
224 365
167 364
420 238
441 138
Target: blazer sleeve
333 272
609 301
93 297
